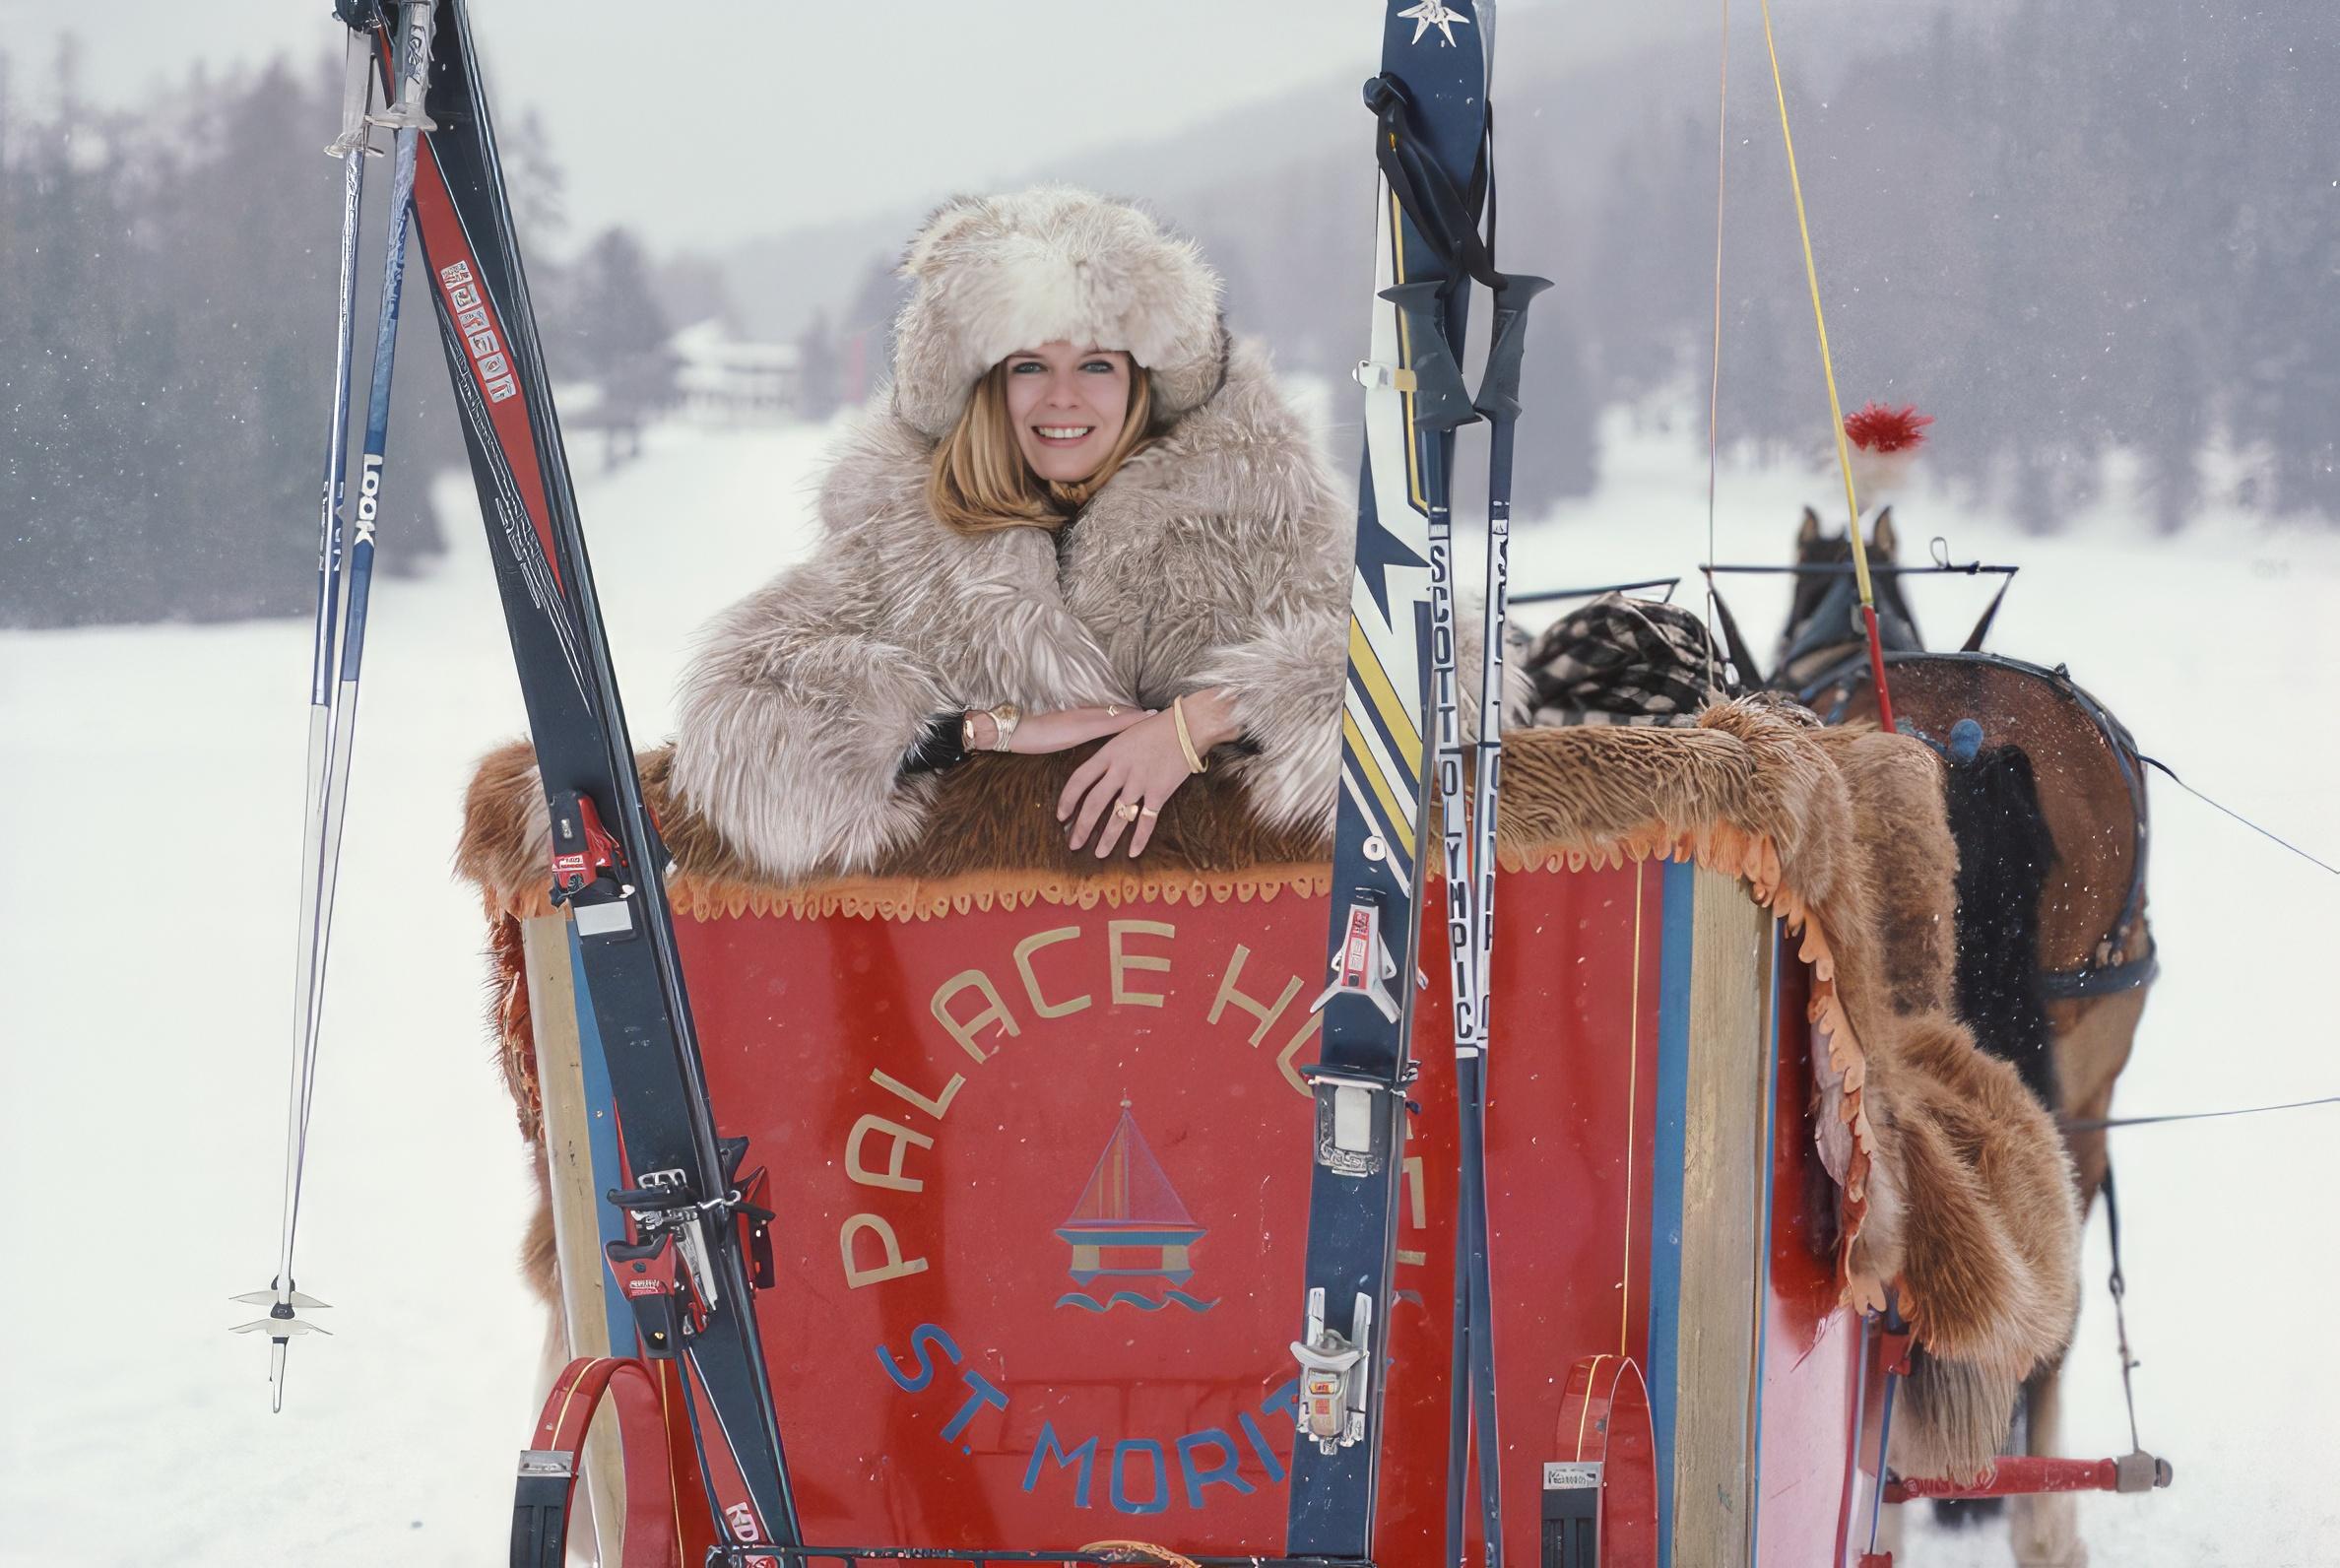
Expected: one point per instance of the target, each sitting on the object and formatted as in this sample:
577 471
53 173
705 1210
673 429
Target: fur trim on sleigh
1953 1182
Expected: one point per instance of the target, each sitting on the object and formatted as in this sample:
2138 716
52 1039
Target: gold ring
1127 811
1148 810
1111 711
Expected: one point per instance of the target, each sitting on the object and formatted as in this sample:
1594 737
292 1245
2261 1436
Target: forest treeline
168 284
2060 230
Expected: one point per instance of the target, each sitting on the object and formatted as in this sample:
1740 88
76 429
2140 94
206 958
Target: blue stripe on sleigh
1677 908
602 1140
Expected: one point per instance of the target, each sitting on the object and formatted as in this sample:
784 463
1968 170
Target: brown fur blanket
1953 1184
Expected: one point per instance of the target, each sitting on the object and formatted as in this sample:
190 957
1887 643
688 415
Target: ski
1433 81
692 1207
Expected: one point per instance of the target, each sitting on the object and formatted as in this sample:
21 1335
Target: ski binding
1335 1374
1364 963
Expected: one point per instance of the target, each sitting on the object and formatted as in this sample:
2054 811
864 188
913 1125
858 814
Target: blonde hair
981 481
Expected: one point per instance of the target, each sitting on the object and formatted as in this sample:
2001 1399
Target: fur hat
993 273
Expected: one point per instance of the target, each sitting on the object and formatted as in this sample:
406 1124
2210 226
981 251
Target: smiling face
1067 407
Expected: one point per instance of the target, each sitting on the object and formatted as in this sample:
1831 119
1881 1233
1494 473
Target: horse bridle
1841 606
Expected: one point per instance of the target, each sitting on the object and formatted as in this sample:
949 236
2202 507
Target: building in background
724 380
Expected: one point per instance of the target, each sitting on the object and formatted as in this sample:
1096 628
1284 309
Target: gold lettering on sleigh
1023 966
967 1031
1122 961
902 1141
902 1091
893 1266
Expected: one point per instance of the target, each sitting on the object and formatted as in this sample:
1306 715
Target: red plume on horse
1885 443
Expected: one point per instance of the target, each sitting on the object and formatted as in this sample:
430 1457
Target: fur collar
1244 459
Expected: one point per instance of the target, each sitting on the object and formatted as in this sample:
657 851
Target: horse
2045 799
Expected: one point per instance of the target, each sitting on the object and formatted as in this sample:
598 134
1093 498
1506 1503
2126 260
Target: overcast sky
791 112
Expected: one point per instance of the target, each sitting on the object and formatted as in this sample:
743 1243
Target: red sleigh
1034 1142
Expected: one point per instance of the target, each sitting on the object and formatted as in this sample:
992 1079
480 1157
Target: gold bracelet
1185 742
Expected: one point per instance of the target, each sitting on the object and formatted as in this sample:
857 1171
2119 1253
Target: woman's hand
1056 732
1142 768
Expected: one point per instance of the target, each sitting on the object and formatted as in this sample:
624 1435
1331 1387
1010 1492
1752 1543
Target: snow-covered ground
152 791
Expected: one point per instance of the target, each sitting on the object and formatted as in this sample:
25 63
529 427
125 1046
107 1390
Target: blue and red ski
1434 85
693 1216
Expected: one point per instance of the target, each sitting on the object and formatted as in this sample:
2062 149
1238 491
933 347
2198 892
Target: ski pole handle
1442 402
1498 399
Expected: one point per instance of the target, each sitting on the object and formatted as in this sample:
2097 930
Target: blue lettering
1223 1473
985 1392
924 1335
1259 1443
1161 1476
1050 1447
1284 1401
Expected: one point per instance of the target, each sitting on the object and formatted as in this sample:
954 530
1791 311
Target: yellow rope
1835 412
1715 382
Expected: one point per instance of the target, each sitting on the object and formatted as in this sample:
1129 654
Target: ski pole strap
1445 217
1423 189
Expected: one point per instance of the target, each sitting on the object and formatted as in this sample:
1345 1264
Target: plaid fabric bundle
1625 661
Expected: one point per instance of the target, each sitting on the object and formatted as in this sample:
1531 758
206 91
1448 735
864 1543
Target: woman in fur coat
1083 512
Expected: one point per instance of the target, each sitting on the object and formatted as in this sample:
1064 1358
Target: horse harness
1836 618
2108 973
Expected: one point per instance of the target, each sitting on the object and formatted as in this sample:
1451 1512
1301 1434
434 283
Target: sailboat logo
1129 1227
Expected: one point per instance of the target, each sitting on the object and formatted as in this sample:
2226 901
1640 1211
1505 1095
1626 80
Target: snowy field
153 794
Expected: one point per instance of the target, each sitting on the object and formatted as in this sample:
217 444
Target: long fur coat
1217 558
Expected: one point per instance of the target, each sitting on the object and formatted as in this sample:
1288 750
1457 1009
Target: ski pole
1498 402
1422 304
350 147
406 120
345 583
